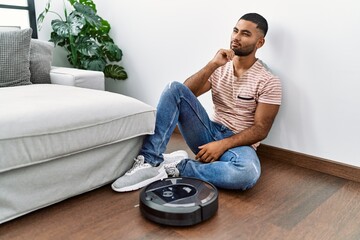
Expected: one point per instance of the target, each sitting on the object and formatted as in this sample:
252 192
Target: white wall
312 45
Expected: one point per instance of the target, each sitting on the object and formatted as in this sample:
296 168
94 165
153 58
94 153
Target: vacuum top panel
179 201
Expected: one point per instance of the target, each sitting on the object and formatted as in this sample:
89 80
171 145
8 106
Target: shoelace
139 161
171 165
171 171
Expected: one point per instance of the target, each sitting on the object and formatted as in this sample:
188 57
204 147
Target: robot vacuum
179 201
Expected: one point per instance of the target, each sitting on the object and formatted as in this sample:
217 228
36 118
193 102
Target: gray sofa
60 136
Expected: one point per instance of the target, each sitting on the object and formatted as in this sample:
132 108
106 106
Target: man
246 97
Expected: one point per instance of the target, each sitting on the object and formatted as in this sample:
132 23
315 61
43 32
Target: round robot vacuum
179 201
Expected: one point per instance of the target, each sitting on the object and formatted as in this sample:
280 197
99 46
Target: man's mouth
235 45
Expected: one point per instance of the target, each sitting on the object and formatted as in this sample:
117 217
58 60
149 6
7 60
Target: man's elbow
263 132
262 136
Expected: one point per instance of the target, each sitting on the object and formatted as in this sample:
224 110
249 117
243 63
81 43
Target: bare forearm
246 137
264 118
212 151
197 81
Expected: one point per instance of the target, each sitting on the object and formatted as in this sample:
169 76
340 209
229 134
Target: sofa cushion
40 61
14 57
45 122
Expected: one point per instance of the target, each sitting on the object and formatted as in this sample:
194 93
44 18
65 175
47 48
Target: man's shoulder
265 70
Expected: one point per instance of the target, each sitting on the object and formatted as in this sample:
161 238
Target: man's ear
260 42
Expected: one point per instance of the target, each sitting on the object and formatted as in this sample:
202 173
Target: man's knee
252 174
174 85
247 168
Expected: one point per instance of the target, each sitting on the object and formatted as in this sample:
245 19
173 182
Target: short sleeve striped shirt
235 99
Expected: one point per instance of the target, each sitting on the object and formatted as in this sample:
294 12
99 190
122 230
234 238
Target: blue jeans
238 168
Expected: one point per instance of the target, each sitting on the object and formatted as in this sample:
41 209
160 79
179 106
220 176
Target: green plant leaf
72 2
76 23
42 15
85 36
61 28
115 72
102 37
87 46
89 3
105 27
89 14
57 40
97 64
72 26
113 52
100 33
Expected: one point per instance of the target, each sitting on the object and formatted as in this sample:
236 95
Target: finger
206 158
212 160
199 154
226 53
230 54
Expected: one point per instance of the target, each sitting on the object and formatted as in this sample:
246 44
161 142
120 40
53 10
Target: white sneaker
171 160
140 175
176 156
172 171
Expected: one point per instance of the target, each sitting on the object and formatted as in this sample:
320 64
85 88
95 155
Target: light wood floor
289 202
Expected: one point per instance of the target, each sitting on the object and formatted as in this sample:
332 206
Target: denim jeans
238 168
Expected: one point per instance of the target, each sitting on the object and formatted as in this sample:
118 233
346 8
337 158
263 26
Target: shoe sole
139 185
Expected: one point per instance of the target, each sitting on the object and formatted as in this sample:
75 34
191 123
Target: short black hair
259 20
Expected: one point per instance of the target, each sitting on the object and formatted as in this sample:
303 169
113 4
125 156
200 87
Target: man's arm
198 83
264 117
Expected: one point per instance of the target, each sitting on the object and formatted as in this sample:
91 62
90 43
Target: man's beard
244 52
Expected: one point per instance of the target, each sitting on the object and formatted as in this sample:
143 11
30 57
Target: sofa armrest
77 77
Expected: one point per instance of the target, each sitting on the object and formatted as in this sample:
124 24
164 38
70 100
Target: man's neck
242 64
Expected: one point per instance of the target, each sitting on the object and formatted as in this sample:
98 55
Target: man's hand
198 83
210 152
223 56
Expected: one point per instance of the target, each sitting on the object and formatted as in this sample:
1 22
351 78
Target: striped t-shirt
235 99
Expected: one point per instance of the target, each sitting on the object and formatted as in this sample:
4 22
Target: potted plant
85 36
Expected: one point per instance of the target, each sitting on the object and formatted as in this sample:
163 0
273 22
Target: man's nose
236 36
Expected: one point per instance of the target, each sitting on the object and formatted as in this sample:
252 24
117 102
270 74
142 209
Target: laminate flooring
288 202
